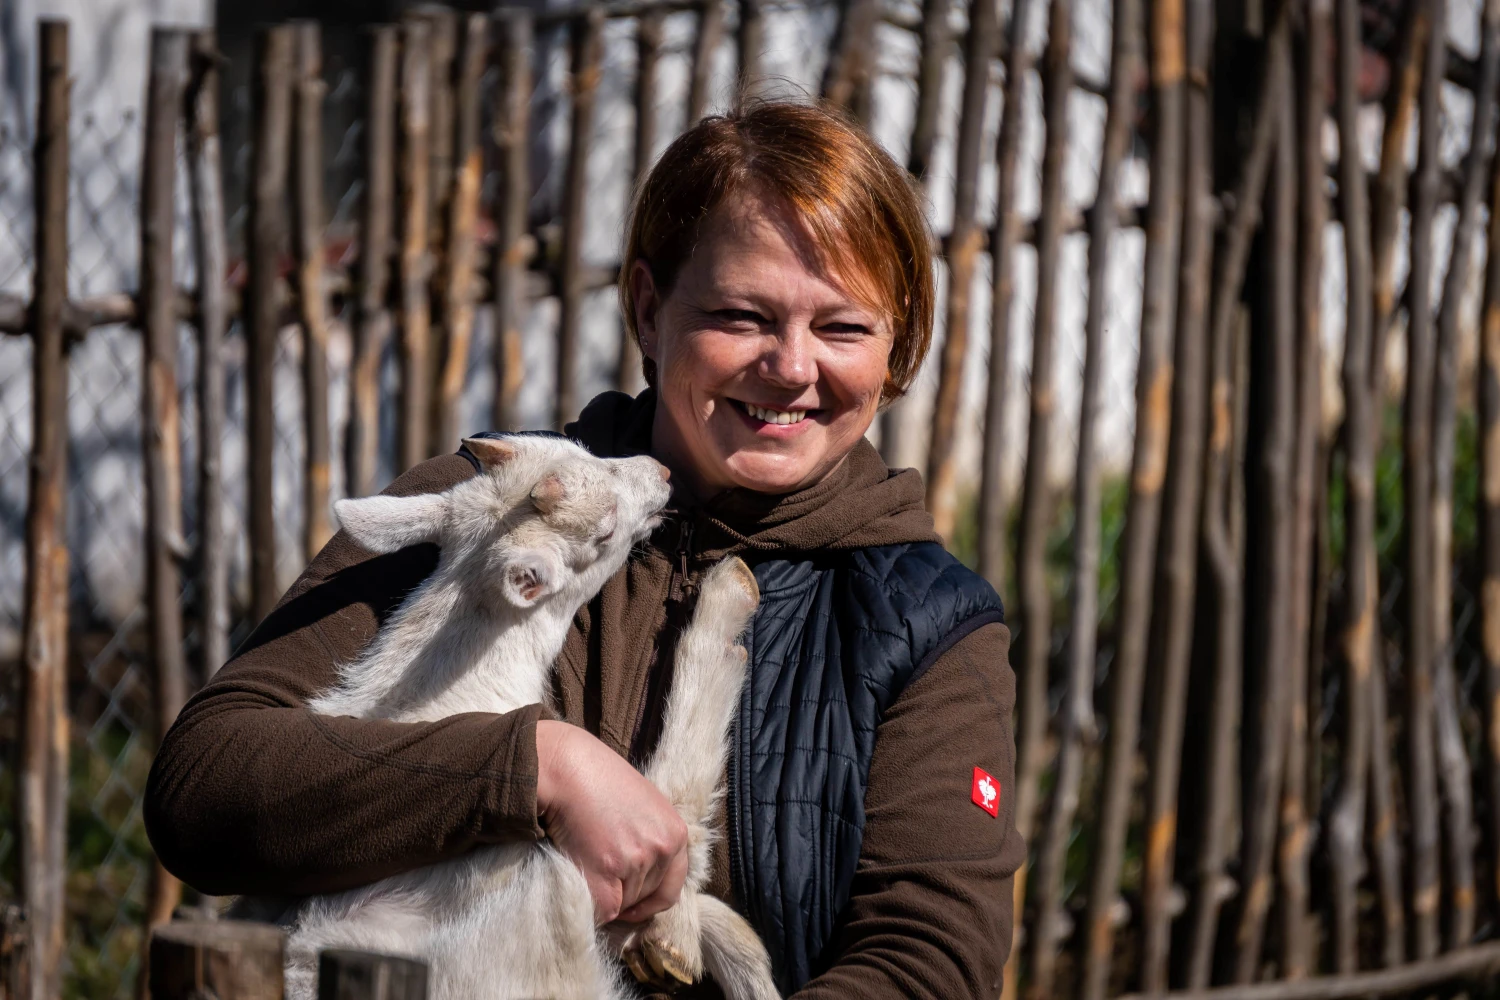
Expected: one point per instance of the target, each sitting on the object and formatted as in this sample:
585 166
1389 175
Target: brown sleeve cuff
510 812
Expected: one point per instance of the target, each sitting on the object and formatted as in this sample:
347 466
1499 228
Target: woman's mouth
767 415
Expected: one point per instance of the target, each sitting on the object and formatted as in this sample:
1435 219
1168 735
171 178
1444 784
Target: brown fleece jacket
253 793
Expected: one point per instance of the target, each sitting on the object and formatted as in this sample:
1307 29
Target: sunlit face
769 369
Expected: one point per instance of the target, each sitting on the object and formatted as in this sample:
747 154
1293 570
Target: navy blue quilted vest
837 638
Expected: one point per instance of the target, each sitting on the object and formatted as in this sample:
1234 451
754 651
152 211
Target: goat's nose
664 472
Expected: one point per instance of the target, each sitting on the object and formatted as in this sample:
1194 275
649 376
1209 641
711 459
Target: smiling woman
778 277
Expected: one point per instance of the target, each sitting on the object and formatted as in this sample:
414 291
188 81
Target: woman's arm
253 793
930 912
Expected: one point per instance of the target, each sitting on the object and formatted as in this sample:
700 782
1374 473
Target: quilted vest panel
836 639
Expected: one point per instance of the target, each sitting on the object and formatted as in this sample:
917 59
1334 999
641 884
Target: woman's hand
621 832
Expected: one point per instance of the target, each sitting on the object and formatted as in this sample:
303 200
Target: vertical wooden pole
705 50
1489 503
510 211
847 77
161 426
312 304
43 781
1035 634
416 261
1004 237
647 49
932 62
459 257
442 46
1171 635
228 959
749 42
1452 751
1221 538
964 242
1416 474
210 241
272 101
1268 551
1295 847
1357 641
372 326
1153 402
1076 716
587 44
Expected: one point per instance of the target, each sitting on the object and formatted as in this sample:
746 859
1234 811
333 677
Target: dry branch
510 129
415 165
587 45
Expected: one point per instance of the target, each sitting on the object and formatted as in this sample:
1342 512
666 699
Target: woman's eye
845 328
739 316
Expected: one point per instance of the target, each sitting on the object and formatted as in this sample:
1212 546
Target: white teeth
775 416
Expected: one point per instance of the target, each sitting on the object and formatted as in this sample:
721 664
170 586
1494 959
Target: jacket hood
860 503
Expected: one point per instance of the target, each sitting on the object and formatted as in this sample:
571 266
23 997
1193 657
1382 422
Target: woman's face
768 368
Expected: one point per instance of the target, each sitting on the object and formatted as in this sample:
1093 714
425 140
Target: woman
777 276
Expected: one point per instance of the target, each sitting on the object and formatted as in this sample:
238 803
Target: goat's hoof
656 963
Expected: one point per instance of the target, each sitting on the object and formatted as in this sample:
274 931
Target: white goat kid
523 546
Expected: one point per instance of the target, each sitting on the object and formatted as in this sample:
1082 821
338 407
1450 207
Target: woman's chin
767 474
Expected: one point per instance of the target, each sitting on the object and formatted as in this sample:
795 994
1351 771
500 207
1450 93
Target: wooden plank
227 959
312 304
511 243
1076 723
705 51
271 134
414 180
161 434
935 43
965 239
460 256
586 34
372 327
211 245
359 975
648 51
442 104
750 41
42 791
848 76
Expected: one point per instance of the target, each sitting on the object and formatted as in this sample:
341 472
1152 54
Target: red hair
860 209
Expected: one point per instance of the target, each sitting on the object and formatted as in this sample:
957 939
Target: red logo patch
986 793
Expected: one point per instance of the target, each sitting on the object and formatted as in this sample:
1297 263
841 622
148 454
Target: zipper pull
684 547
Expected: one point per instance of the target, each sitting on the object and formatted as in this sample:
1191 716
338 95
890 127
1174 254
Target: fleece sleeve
252 793
931 909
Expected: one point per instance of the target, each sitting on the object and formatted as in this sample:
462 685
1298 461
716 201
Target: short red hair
860 208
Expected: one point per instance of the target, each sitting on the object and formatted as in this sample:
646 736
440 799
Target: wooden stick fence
1225 571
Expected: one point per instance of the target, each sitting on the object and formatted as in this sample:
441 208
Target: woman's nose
790 362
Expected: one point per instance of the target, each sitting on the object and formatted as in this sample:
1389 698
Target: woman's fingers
621 832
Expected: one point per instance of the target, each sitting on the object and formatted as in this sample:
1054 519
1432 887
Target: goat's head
544 517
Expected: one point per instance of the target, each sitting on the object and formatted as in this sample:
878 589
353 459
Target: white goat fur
523 546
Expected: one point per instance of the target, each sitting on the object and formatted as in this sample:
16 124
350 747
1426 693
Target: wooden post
587 43
1294 841
359 975
648 50
459 258
43 780
227 959
416 262
1221 538
15 965
1153 404
161 426
965 238
1452 752
312 304
510 132
1268 546
1416 475
372 328
213 318
1004 237
848 75
932 62
1489 503
1076 721
1357 641
749 42
442 46
705 51
272 99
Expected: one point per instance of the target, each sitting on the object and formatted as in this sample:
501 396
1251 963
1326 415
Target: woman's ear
643 294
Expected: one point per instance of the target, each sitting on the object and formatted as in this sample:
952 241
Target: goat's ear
387 524
491 452
529 575
548 493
